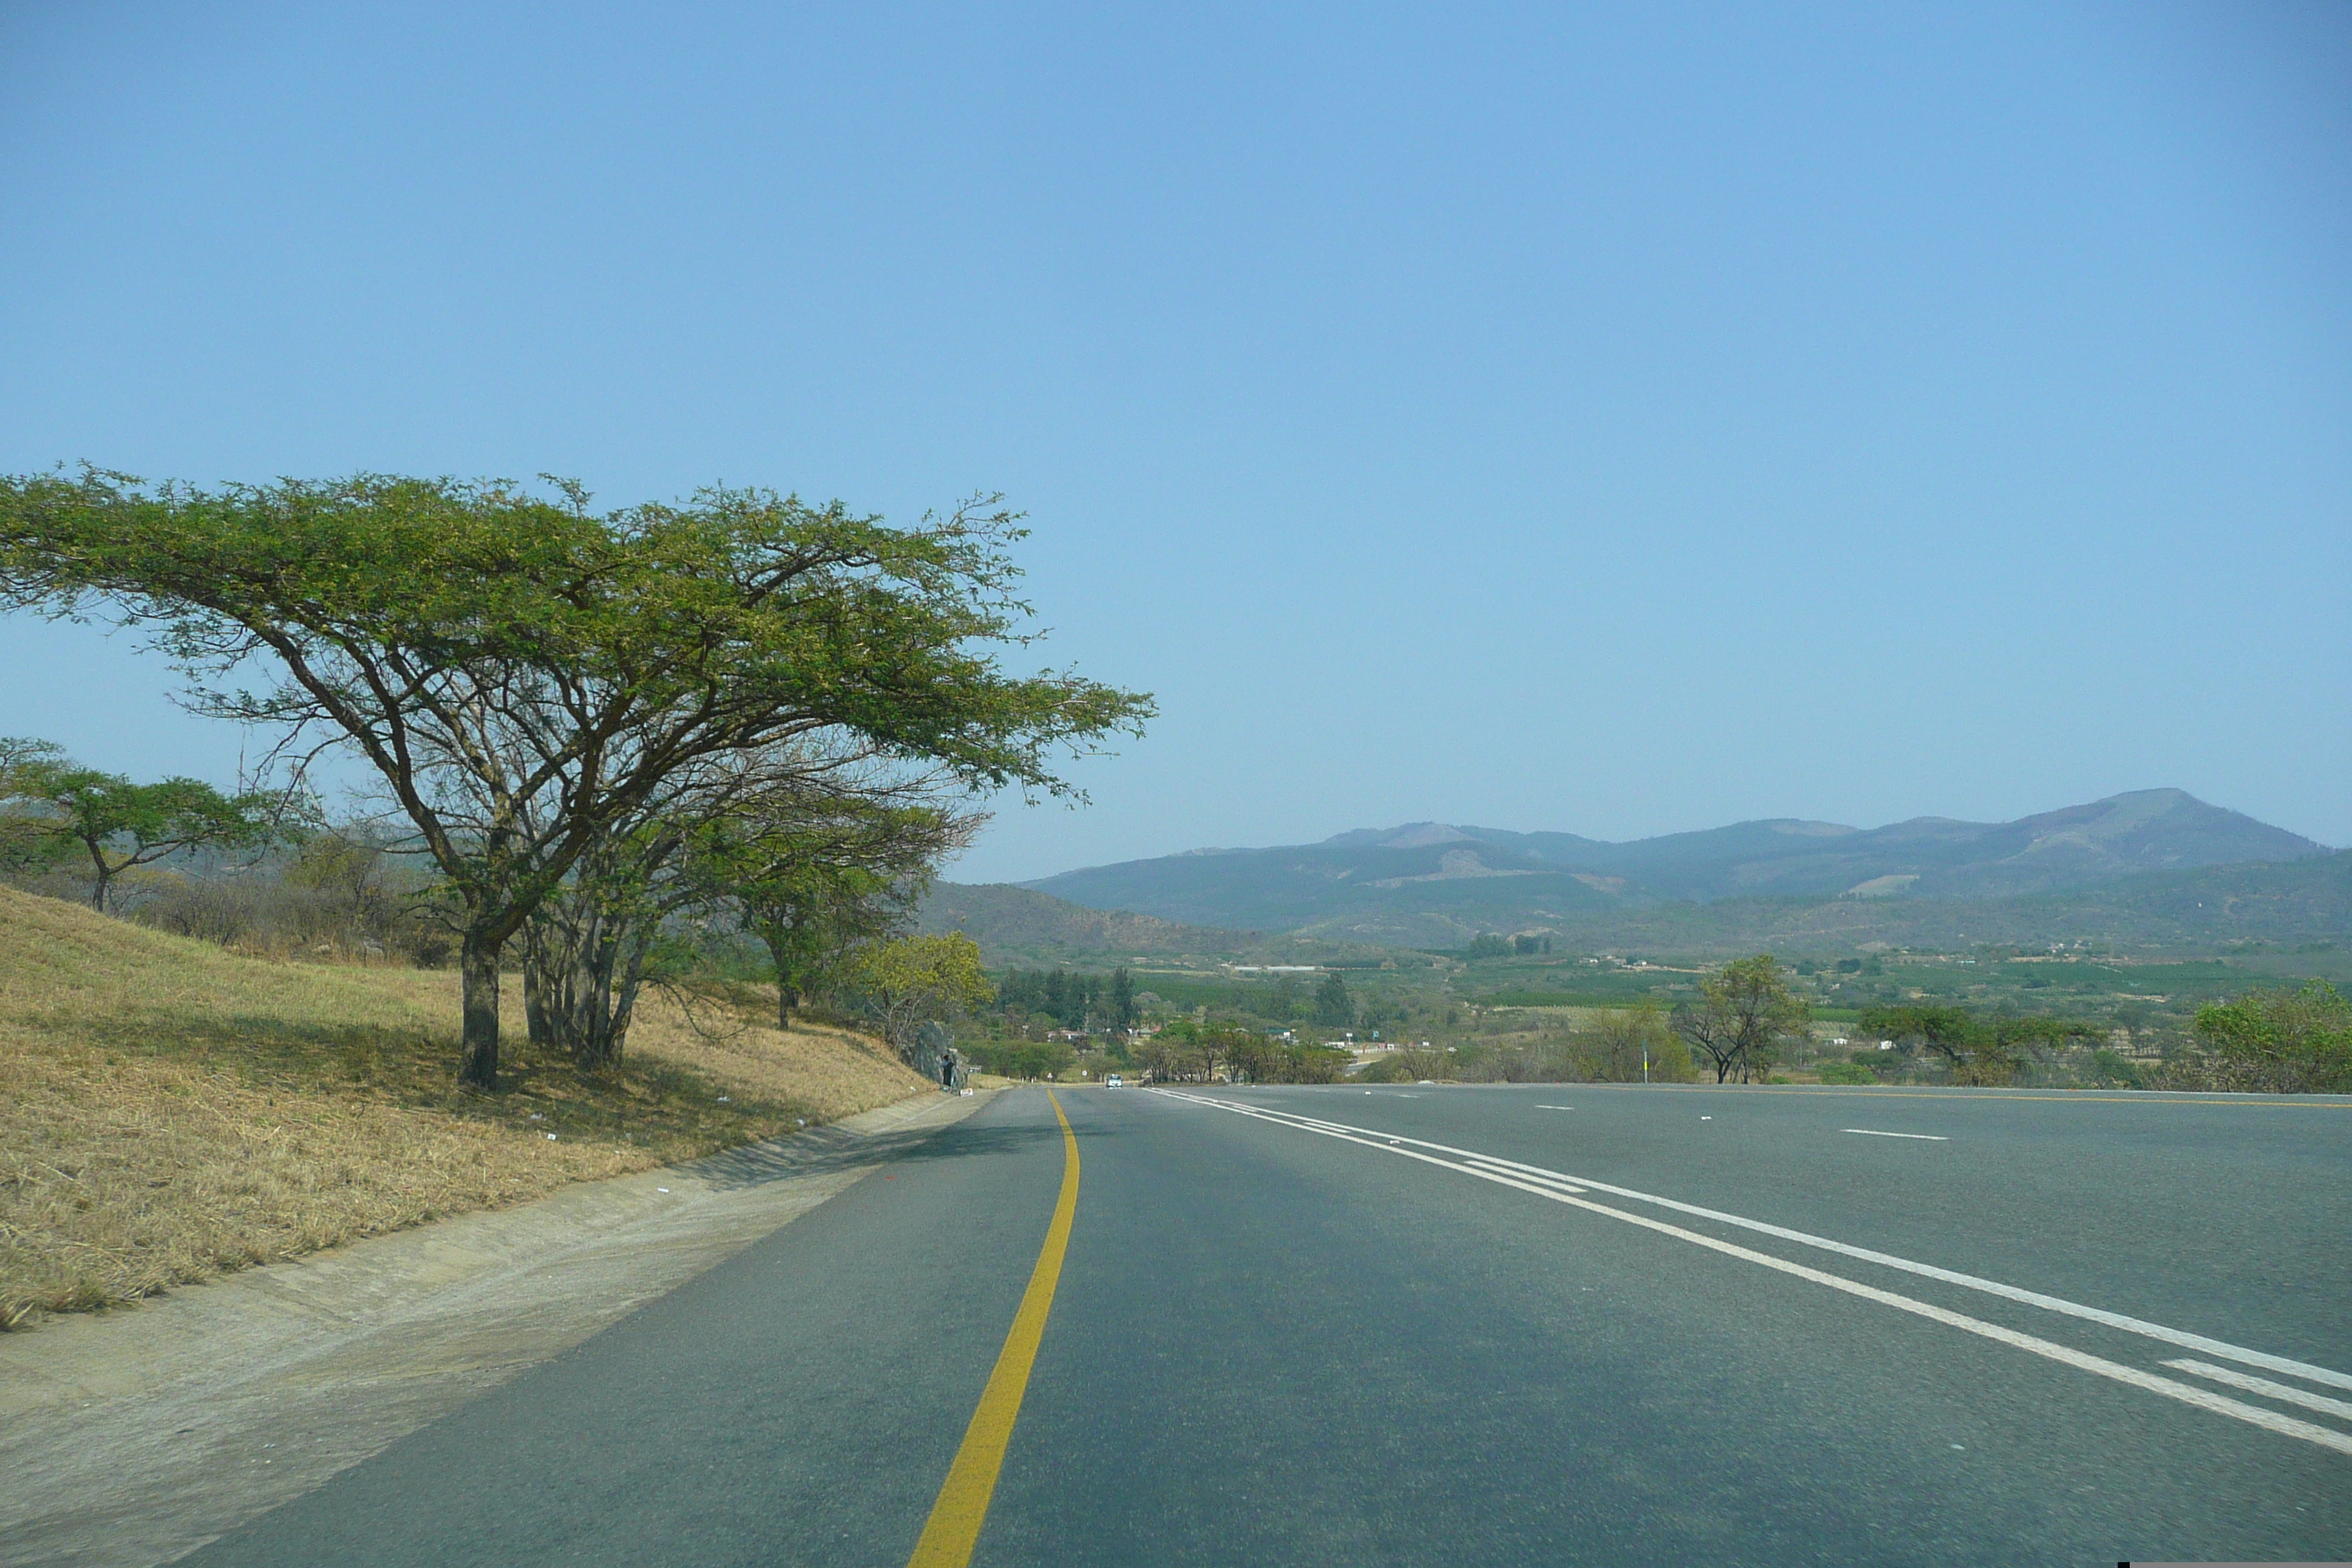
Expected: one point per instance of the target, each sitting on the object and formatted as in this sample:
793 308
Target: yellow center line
953 1529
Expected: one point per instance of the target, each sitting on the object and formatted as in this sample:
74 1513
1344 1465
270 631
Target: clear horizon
1620 424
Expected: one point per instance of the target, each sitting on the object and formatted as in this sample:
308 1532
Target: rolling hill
2279 903
1435 884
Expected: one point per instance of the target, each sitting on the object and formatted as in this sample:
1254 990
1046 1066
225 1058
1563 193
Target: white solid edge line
2265 1386
1872 1133
2222 1348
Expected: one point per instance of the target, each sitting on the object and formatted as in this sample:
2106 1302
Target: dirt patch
170 1111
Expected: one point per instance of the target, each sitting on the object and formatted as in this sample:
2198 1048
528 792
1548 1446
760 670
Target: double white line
1572 1189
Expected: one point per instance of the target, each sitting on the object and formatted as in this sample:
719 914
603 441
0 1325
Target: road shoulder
132 1438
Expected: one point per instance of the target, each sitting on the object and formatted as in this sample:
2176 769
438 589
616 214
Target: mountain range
1432 884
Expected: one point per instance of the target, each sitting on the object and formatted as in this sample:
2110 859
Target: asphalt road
1280 1338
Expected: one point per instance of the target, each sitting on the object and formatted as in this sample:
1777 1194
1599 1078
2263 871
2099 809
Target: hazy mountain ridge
1431 878
2286 903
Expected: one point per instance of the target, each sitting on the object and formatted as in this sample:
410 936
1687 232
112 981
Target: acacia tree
118 825
916 979
846 880
525 676
794 821
1743 1011
1980 1051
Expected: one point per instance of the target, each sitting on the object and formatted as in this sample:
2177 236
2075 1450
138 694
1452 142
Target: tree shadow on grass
666 1108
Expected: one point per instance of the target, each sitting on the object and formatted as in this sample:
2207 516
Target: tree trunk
477 1056
100 877
540 1030
584 968
788 995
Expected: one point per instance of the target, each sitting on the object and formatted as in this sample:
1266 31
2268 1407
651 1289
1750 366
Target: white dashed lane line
1923 1137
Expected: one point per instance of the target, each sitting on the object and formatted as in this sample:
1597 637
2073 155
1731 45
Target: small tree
1743 1011
118 825
1122 998
903 984
1334 1009
2283 1042
348 865
1634 1045
1033 1059
1284 1003
848 876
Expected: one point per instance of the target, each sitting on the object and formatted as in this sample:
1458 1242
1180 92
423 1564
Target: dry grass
169 1111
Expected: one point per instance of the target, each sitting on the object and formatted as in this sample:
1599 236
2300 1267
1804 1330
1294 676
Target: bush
1028 1059
1847 1073
2280 1042
2110 1069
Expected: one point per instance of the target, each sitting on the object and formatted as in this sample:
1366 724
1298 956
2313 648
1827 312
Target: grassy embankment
170 1111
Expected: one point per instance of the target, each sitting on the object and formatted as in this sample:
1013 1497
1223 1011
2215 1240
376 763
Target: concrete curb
133 1437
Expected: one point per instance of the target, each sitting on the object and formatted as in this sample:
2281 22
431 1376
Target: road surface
1534 1324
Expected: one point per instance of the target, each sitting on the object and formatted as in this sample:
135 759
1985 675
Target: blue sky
1610 420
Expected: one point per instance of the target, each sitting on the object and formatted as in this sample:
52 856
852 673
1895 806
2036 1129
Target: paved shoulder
130 1437
798 1401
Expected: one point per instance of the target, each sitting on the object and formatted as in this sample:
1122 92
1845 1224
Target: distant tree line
1188 1052
1072 1000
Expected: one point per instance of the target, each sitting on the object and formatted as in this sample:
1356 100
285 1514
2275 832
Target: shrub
2280 1042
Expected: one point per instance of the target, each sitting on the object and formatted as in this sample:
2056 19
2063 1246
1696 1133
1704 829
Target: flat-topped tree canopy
522 671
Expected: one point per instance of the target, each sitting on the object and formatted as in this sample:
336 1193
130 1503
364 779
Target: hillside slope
2207 909
170 1111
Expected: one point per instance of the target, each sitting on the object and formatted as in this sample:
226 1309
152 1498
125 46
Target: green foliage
2109 1069
913 980
1980 1050
1487 944
2282 1042
1058 995
51 807
530 678
1285 1002
813 884
1634 1045
1026 1059
1848 1072
1260 1057
1744 1013
1334 1009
